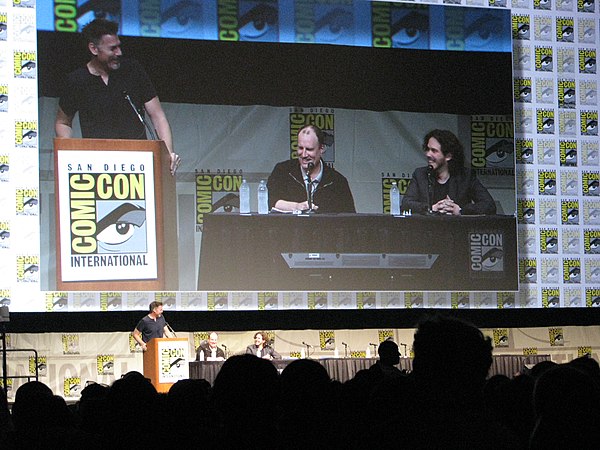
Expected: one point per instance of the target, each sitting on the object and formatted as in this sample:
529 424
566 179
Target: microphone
430 189
139 115
309 169
169 327
308 345
405 351
224 346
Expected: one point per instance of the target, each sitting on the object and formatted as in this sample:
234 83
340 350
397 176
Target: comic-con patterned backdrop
556 145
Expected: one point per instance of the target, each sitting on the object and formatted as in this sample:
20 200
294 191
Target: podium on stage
165 362
116 215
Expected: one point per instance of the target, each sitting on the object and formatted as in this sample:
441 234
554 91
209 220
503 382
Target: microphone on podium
169 327
139 115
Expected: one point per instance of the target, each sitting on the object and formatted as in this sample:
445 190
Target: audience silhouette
446 402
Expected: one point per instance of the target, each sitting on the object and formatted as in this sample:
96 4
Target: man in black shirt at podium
151 326
111 94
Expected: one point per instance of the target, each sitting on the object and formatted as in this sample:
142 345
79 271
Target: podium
116 216
165 362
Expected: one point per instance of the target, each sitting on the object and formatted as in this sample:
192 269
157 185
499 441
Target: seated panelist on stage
307 183
212 352
153 325
261 347
445 186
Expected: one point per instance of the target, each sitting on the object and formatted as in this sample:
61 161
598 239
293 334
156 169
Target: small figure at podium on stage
151 326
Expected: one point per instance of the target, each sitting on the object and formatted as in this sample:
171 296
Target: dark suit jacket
464 189
332 194
206 349
267 350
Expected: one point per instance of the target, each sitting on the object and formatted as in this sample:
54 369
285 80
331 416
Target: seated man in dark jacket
211 351
446 186
307 183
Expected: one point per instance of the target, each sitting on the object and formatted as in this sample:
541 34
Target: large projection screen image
376 77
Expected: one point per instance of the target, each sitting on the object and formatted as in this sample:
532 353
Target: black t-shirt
104 112
151 329
440 191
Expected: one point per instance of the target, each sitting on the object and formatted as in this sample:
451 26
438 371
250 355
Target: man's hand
175 161
303 206
447 206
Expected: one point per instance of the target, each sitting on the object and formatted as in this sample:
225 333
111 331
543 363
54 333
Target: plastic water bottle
244 197
263 198
394 199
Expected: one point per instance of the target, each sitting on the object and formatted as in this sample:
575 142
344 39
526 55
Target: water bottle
244 197
394 199
263 198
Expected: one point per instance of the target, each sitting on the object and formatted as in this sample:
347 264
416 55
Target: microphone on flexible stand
405 352
308 347
169 328
140 116
430 189
309 169
226 350
345 349
374 348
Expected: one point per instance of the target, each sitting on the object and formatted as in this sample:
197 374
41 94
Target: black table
343 369
358 252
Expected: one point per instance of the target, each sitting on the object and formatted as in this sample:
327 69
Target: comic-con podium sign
114 201
166 362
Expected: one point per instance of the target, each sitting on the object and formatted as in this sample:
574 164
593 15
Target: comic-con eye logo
486 252
182 17
248 21
410 30
24 64
258 22
118 227
323 23
172 358
106 213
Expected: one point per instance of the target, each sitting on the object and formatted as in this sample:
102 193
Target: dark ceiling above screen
245 73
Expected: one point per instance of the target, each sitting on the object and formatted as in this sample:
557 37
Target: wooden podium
165 362
106 191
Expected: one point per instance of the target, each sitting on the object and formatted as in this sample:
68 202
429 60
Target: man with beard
111 93
307 184
445 186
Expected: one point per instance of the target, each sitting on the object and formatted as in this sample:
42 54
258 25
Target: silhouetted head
451 353
388 352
